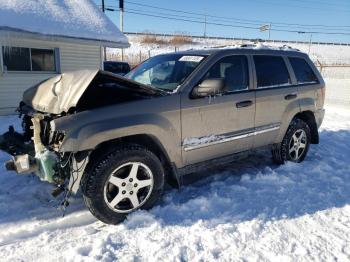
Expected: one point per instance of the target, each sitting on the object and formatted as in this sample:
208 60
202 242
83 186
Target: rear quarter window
302 70
271 71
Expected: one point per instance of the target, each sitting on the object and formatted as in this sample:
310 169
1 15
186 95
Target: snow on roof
64 18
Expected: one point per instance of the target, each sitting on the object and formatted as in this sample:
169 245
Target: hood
62 92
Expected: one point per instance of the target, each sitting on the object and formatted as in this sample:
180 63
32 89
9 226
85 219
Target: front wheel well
146 141
309 118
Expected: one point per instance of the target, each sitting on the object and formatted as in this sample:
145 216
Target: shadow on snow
250 188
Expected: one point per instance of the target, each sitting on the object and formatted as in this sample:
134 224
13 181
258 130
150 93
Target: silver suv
120 139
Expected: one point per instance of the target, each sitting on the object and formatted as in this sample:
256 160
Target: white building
40 38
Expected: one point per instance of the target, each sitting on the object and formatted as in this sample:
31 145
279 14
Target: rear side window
234 71
271 71
303 72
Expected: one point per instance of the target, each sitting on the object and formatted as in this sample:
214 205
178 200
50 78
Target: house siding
72 57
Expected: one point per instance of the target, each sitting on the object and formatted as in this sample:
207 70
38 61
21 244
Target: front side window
28 59
233 70
165 71
271 71
302 71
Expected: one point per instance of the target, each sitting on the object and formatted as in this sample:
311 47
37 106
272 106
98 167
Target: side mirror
209 87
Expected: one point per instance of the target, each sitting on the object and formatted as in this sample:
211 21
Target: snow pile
251 210
72 18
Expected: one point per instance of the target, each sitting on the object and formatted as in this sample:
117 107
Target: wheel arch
145 140
309 118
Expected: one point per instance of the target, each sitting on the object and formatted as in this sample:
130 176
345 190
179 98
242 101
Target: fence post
140 56
149 53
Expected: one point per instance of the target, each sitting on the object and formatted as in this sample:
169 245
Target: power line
300 28
286 28
236 19
236 26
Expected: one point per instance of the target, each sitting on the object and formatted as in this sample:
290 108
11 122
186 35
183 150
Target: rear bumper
319 115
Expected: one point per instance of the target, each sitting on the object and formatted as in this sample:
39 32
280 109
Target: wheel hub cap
128 187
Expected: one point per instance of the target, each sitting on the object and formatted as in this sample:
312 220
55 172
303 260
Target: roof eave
8 32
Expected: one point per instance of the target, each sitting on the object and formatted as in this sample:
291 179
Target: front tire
295 144
125 180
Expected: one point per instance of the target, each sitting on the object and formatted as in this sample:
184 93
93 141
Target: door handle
290 96
244 104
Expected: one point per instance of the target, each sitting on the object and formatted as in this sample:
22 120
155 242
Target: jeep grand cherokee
120 139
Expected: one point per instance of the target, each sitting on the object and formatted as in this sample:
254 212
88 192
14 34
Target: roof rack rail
258 45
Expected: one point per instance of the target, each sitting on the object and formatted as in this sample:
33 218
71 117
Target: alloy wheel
128 187
297 144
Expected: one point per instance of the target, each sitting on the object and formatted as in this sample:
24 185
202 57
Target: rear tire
295 144
123 181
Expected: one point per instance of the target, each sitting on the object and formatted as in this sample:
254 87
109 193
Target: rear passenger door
274 91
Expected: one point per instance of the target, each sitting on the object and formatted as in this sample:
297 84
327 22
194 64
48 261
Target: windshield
165 71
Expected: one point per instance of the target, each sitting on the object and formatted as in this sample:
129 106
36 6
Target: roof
78 19
243 49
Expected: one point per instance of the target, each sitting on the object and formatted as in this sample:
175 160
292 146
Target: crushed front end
36 150
41 147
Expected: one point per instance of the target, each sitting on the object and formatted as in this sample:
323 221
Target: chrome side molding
228 137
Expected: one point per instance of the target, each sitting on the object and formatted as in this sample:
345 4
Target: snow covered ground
251 210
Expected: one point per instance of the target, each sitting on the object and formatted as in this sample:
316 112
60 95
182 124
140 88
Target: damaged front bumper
65 170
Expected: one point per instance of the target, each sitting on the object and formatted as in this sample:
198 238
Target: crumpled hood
59 93
62 92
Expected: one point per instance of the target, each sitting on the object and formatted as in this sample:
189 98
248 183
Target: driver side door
221 125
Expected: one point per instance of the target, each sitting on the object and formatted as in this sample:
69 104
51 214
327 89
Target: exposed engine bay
38 148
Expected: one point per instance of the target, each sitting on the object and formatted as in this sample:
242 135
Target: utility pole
121 11
104 48
205 26
310 42
269 31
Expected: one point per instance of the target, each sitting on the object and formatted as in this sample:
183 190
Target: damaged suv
120 139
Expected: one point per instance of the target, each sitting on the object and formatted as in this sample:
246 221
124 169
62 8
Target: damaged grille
48 137
56 138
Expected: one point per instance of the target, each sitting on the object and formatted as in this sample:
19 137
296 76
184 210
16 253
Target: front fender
88 136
